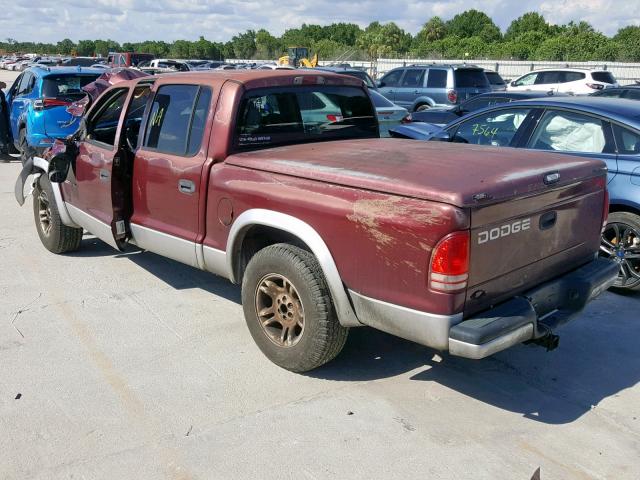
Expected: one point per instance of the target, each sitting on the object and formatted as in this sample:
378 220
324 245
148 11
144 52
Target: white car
574 81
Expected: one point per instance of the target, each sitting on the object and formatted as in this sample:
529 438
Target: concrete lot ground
8 77
131 366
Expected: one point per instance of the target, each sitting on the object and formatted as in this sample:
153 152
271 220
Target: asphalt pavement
132 366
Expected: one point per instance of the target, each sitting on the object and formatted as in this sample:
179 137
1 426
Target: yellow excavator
298 57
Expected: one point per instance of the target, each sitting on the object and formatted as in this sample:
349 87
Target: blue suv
36 105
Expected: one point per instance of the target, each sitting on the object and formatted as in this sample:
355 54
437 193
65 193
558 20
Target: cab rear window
272 117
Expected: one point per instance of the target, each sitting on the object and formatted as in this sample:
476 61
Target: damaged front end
55 163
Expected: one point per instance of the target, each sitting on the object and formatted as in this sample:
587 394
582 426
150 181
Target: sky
219 20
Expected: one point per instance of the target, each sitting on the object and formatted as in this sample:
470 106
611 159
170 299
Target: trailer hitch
546 339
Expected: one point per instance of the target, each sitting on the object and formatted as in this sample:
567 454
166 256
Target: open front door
5 138
101 199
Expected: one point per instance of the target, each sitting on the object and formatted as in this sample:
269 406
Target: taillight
335 118
605 209
41 103
452 96
407 119
449 270
595 86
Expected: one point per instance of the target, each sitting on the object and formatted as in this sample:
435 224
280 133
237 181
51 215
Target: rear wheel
621 242
54 235
288 309
25 150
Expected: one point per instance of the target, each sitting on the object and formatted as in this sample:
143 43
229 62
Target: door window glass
492 128
392 79
170 119
26 84
568 132
566 77
413 78
548 78
627 140
526 80
103 126
135 112
632 94
437 78
199 121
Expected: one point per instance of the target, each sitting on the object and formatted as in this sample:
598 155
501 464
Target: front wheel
54 235
621 242
288 309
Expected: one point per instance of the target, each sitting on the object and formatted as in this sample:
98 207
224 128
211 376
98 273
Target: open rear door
5 138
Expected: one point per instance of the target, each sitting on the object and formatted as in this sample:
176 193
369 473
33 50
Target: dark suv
419 87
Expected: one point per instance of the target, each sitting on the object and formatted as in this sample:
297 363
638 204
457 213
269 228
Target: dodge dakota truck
277 180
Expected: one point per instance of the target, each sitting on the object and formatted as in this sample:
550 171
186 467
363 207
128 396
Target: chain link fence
625 73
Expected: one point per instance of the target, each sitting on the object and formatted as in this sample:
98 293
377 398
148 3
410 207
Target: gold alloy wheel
279 310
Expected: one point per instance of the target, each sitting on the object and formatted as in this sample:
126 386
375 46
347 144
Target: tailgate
59 123
521 243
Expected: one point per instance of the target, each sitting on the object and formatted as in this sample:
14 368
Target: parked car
389 114
37 103
419 87
164 65
325 225
497 82
78 62
352 72
273 66
575 81
128 59
443 115
632 92
603 128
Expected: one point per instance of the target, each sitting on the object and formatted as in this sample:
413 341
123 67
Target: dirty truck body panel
374 212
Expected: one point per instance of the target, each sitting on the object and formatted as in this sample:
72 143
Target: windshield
278 116
66 86
470 78
380 101
364 76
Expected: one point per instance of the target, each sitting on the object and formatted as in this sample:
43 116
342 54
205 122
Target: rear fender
35 167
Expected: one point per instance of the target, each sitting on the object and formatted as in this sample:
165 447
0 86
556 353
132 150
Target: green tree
86 48
267 46
66 46
434 29
529 22
244 44
473 23
379 40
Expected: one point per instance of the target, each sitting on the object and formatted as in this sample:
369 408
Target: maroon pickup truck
278 181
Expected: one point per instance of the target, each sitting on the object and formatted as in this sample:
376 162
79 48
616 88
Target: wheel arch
422 101
624 207
258 228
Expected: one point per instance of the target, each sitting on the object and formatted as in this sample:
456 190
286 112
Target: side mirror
513 84
380 84
441 136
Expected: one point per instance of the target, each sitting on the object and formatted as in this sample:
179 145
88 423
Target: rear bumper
529 316
533 314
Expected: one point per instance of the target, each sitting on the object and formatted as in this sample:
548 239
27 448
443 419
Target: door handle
104 174
186 186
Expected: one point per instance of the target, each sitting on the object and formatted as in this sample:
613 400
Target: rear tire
54 235
621 242
288 309
25 150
